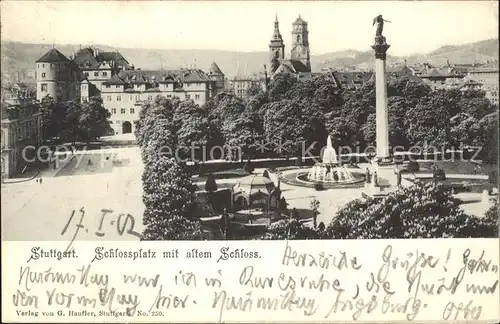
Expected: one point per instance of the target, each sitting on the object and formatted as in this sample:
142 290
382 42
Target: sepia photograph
201 121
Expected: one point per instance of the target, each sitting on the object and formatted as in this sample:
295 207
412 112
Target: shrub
210 184
413 167
283 205
177 228
289 229
440 175
420 211
248 167
319 186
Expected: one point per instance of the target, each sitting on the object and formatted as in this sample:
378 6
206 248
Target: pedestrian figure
375 179
40 180
398 177
90 162
36 180
367 175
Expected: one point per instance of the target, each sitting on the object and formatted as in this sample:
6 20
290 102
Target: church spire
276 47
276 32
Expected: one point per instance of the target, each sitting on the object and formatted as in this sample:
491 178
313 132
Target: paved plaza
34 211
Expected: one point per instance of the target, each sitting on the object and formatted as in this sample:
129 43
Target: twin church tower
300 59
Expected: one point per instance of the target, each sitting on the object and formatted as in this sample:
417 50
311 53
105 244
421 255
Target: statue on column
380 25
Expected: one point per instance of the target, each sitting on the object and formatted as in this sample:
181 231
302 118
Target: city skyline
468 22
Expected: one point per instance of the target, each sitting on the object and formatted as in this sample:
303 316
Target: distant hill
478 52
18 59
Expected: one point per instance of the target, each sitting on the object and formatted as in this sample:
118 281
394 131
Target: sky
416 26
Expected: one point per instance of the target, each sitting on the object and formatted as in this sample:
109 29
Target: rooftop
93 58
159 76
299 21
215 69
53 56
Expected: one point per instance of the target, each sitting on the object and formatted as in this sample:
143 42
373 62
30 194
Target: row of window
51 65
96 74
138 98
43 87
123 110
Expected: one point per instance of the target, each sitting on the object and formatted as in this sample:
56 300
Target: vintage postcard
246 161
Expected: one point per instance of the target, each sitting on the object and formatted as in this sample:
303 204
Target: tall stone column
382 117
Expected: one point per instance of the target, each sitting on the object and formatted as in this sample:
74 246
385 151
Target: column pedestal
382 118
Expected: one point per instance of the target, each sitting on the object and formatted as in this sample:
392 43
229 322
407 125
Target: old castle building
124 93
300 55
91 72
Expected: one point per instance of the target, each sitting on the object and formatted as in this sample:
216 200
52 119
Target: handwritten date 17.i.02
125 223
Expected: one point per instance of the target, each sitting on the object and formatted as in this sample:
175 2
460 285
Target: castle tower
300 42
53 76
276 47
216 75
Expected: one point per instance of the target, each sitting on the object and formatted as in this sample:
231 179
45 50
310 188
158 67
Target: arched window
298 38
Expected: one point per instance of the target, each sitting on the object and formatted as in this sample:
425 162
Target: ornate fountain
329 169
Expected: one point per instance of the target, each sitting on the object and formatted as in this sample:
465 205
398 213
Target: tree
487 137
346 124
475 103
290 124
196 133
420 211
53 116
94 119
161 141
314 205
225 106
167 195
71 130
141 124
210 184
279 86
428 122
156 132
243 133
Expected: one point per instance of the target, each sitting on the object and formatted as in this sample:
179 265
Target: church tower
300 43
276 47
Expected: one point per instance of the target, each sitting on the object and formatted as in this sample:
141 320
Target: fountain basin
300 178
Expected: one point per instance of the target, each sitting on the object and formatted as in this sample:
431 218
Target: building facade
488 78
240 84
92 72
124 94
21 126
